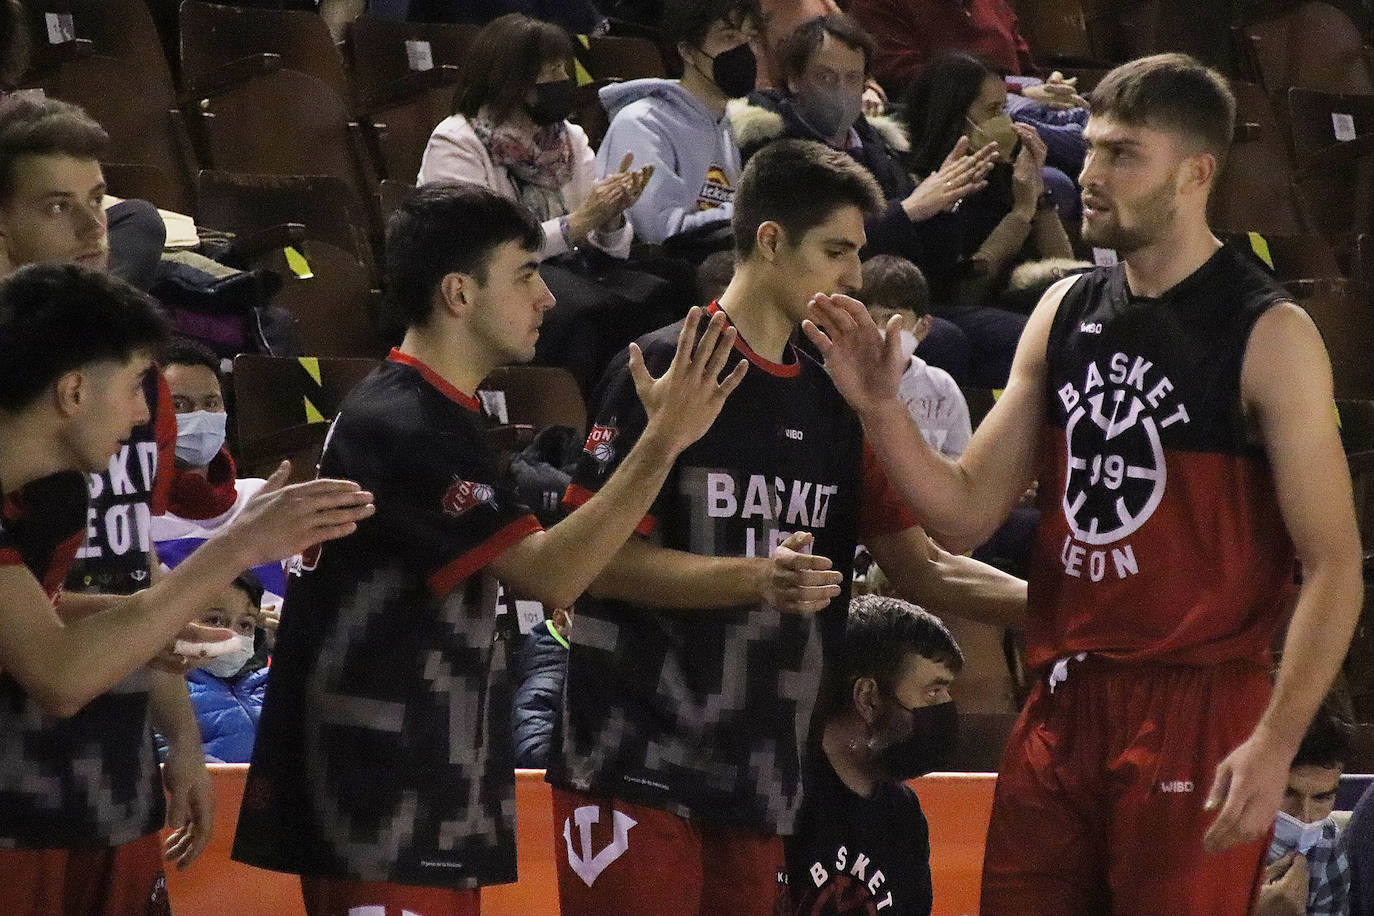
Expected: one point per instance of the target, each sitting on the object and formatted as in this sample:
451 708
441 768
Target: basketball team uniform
1161 572
684 730
81 799
383 768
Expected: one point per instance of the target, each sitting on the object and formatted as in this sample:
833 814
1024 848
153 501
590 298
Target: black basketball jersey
384 751
705 712
1160 536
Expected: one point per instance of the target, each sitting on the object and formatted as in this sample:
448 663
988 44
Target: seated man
678 126
1308 867
860 835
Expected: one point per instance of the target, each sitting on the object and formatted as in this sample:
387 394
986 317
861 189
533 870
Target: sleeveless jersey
384 749
1160 536
705 713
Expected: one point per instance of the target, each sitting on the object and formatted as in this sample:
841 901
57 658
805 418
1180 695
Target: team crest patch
464 495
599 444
716 190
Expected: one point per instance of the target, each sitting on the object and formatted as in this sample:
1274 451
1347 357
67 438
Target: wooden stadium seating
335 306
957 805
1254 192
1313 116
539 396
1057 32
1346 320
282 406
1290 257
1335 193
622 57
1310 44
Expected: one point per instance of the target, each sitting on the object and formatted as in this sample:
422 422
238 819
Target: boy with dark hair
861 836
75 817
1177 409
691 678
678 126
382 772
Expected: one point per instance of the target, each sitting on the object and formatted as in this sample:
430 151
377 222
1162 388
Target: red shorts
1099 798
100 881
632 860
343 897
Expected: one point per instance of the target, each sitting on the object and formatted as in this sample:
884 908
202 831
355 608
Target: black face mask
929 746
735 71
552 103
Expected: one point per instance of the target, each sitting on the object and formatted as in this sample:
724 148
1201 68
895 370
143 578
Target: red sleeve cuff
575 496
10 557
882 511
447 577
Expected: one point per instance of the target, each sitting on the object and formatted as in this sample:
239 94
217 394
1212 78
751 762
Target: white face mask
200 436
228 664
908 345
1292 833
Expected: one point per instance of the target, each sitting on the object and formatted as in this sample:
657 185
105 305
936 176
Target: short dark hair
440 229
183 351
795 51
883 630
503 63
1173 92
249 583
44 127
55 318
689 20
798 184
1329 739
892 282
937 103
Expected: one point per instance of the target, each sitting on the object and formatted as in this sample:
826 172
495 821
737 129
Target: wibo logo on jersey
587 866
1116 473
463 495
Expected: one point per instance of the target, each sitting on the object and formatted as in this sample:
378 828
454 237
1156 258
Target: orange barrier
956 804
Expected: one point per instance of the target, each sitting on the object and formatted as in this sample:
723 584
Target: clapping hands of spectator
1056 92
605 206
1027 184
961 174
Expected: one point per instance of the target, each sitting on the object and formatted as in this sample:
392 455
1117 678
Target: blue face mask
200 436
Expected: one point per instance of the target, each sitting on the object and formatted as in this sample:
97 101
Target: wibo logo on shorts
1178 785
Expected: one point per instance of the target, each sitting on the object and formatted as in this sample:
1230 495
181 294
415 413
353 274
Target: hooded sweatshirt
696 163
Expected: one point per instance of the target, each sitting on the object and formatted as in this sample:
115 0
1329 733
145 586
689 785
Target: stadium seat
1289 257
1314 45
332 300
1346 321
1253 192
1335 193
1320 120
282 406
1057 32
618 57
538 396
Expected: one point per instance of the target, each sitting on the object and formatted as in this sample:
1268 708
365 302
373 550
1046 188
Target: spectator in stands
690 679
823 64
579 17
678 126
206 494
1359 843
539 666
227 692
891 719
996 228
1308 866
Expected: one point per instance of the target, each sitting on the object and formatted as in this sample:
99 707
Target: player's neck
758 310
457 359
29 450
844 744
1155 269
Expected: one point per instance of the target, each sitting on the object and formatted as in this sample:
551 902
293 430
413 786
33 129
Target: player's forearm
946 583
649 575
1318 638
173 715
72 606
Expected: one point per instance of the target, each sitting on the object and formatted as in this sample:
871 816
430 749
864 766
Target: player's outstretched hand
1248 788
864 366
281 520
798 581
684 401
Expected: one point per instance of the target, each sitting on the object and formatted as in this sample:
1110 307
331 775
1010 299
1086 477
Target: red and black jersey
92 779
384 749
1160 535
705 712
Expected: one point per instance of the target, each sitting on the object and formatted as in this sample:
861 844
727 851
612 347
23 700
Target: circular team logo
1116 470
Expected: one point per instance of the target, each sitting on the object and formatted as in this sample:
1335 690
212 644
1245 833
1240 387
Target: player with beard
1177 410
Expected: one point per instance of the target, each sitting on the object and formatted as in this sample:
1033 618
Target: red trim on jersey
446 578
576 496
882 510
466 401
63 556
11 557
781 370
165 434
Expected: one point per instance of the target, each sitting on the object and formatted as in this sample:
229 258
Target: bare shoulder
1284 357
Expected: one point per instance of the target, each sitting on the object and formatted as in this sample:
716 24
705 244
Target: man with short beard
1177 409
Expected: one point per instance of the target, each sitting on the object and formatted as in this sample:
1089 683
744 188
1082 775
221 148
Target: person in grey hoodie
679 127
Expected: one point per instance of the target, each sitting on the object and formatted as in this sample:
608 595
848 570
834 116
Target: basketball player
1177 409
691 681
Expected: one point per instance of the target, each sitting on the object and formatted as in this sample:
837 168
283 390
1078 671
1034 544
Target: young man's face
1311 792
824 260
1130 179
55 214
111 403
193 388
507 310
